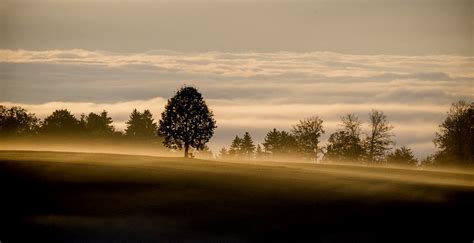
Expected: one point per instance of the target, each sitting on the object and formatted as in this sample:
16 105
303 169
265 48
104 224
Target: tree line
187 123
454 141
16 121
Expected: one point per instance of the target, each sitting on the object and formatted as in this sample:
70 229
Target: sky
259 64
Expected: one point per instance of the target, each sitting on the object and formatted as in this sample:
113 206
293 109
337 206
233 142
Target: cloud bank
247 91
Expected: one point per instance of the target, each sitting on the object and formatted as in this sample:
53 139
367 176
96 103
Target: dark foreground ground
75 197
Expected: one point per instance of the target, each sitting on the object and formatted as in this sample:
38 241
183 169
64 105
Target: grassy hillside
64 196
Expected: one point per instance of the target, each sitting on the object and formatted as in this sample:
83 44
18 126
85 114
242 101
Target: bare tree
379 140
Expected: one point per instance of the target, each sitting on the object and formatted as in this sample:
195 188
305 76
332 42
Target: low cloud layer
247 91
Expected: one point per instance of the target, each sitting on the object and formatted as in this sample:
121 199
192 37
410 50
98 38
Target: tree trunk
186 150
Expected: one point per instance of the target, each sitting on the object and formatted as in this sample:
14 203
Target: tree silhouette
246 146
141 126
272 141
223 153
186 121
345 143
235 147
402 156
98 124
378 141
17 121
455 139
307 133
61 122
280 143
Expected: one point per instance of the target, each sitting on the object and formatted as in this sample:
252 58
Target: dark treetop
186 121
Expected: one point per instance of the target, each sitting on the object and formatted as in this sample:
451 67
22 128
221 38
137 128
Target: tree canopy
61 122
235 147
247 146
307 133
17 121
186 121
455 139
345 144
242 147
402 156
280 143
141 125
98 124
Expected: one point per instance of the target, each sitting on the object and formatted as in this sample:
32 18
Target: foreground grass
82 196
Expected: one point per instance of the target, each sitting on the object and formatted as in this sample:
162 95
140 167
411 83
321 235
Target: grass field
59 196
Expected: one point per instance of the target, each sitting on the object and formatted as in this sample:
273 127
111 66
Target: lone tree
455 139
186 121
378 141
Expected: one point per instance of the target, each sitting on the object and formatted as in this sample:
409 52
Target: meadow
72 196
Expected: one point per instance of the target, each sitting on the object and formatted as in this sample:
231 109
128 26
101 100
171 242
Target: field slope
58 196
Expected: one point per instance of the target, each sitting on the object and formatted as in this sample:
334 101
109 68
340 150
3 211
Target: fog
452 175
86 145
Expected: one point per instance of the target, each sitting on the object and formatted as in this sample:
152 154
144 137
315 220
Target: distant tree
223 153
345 144
187 121
455 139
98 124
402 156
235 147
61 122
247 148
280 143
17 121
307 133
272 141
141 126
379 140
